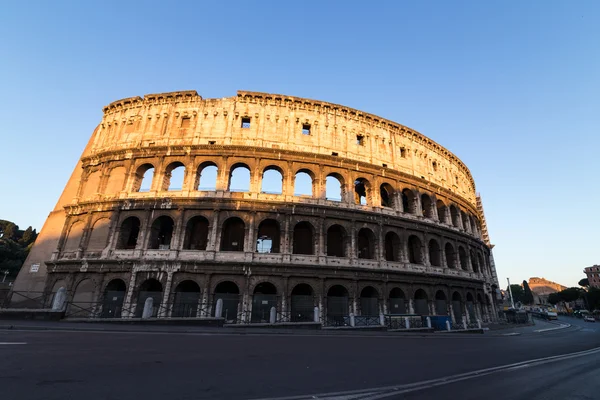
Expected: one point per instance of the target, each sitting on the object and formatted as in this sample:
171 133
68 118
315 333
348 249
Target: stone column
321 250
164 309
432 307
411 306
204 309
223 176
286 245
213 237
129 309
353 241
249 234
451 312
179 231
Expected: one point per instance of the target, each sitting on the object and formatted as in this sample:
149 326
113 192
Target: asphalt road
86 365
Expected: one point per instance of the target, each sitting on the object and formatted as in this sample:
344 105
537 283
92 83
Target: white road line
11 343
561 326
389 391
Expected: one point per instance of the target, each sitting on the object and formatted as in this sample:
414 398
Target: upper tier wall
277 121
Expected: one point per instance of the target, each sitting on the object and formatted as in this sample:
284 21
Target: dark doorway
161 233
303 238
302 303
150 288
229 293
397 301
336 241
263 299
196 234
187 299
337 305
369 302
114 295
232 237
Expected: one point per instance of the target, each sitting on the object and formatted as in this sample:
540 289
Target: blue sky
512 88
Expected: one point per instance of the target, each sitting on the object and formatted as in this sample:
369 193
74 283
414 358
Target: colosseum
263 200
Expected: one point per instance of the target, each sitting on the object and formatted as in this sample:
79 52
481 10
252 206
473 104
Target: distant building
541 288
593 275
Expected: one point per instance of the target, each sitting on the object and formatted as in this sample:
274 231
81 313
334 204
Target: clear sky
512 88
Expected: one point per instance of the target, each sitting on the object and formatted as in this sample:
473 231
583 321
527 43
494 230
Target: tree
571 294
553 298
593 296
28 237
527 294
14 247
517 293
585 282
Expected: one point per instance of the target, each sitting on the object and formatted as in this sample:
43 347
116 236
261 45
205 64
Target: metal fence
29 300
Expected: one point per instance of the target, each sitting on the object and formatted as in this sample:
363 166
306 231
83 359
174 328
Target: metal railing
29 300
367 320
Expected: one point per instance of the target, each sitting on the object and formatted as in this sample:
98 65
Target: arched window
369 301
303 238
450 256
334 189
229 293
473 226
128 233
462 255
336 241
74 237
455 216
303 183
441 306
187 298
457 306
480 261
149 288
337 305
268 237
420 302
272 181
434 253
206 178
474 262
114 295
366 244
415 255
387 195
442 211
408 202
302 303
264 297
232 235
397 301
362 194
161 233
99 236
392 247
239 178
465 221
174 175
426 206
196 234
143 178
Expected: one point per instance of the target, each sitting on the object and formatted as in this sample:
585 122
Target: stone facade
593 275
404 233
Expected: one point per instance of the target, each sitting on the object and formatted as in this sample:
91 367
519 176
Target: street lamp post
5 274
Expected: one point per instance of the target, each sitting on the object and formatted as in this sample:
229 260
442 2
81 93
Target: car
589 318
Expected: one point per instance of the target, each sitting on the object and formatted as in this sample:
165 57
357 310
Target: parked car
589 318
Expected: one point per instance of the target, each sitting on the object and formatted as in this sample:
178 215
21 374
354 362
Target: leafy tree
9 230
553 298
527 294
571 294
14 247
517 293
593 297
28 237
584 282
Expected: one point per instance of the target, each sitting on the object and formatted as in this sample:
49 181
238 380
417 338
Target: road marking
11 343
511 334
561 326
389 391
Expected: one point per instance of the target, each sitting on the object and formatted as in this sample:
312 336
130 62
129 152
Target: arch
457 306
187 299
450 256
206 176
442 211
91 184
408 202
474 261
174 177
74 236
272 180
161 233
334 188
116 181
441 303
337 305
465 221
144 175
473 225
336 241
455 216
362 192
149 288
239 178
386 192
196 233
268 237
264 297
114 295
392 247
303 183
462 256
369 301
435 258
302 303
233 234
366 244
397 301
303 238
229 293
81 306
426 206
481 263
128 233
420 300
415 254
99 235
